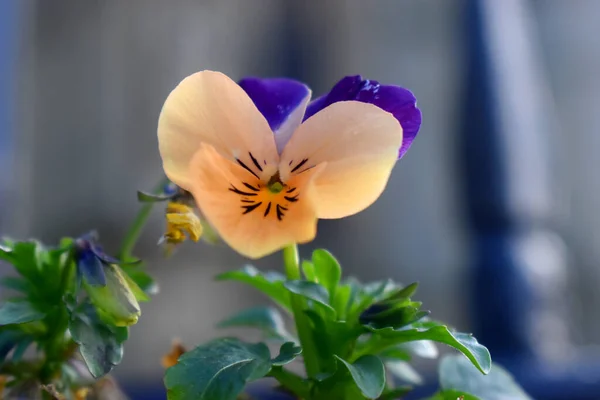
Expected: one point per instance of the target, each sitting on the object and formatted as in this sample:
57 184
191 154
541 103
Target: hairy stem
135 230
291 382
309 350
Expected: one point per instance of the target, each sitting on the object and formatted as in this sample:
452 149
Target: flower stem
291 262
135 230
290 381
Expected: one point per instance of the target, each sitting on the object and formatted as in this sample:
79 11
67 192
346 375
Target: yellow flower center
272 198
275 185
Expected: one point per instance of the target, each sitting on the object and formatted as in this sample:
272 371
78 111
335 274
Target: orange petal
359 142
171 358
208 107
251 219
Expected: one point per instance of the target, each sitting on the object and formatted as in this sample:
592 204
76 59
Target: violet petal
281 101
400 102
90 268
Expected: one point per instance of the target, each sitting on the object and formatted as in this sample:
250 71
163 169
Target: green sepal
115 302
383 339
143 280
145 197
364 296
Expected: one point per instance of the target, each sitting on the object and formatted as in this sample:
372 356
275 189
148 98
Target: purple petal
281 101
400 102
90 268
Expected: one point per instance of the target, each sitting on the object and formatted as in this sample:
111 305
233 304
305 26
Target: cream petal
208 107
249 218
358 141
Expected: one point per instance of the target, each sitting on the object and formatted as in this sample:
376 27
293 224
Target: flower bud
115 301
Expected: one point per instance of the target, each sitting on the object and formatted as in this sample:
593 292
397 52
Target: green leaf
456 373
98 345
18 313
121 333
354 299
287 353
403 371
15 283
217 370
380 290
308 269
396 353
312 291
267 319
404 293
465 343
270 283
364 296
342 300
393 309
368 373
328 271
24 257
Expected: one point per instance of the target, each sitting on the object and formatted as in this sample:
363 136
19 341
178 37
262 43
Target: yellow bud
81 393
182 223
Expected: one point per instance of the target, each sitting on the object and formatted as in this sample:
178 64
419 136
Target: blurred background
493 210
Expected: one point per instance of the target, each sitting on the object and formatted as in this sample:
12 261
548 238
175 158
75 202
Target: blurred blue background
494 209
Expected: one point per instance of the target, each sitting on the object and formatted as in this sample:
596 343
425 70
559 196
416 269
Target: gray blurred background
90 78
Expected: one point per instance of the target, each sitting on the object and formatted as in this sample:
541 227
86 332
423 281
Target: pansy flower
264 164
114 294
91 259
